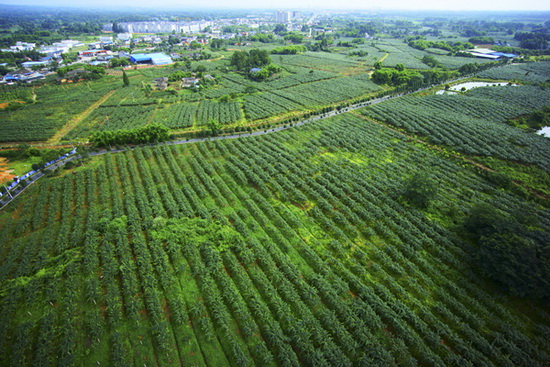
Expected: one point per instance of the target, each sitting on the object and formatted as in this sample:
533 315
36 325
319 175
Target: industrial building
485 53
30 64
154 59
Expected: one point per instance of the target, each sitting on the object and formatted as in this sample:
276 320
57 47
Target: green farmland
344 201
292 248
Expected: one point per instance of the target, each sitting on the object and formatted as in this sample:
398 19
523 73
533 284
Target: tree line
147 134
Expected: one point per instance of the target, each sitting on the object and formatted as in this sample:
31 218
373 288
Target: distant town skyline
536 5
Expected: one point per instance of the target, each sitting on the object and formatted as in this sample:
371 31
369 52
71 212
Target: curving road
8 197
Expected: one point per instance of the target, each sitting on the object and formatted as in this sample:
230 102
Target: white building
124 36
69 43
106 40
20 46
53 51
283 16
164 26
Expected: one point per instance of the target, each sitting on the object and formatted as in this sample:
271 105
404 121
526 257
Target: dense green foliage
532 40
420 43
147 134
396 77
81 71
16 58
125 79
289 50
420 189
510 251
482 40
246 60
534 120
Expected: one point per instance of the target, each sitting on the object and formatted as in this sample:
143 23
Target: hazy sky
304 4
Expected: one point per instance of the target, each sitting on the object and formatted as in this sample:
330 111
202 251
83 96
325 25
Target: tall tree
125 79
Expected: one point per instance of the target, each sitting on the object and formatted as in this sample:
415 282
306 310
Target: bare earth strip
77 119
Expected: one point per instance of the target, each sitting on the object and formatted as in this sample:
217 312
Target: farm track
384 57
77 119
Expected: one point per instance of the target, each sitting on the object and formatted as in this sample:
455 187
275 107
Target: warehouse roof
150 57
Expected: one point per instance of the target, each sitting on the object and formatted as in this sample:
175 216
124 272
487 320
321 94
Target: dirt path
384 57
216 59
5 173
77 119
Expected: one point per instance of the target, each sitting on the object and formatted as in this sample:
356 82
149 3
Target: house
53 51
23 76
30 64
22 46
189 82
161 83
104 57
97 63
106 40
73 75
124 37
91 53
255 70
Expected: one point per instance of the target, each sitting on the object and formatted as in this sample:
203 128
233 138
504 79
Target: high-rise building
283 16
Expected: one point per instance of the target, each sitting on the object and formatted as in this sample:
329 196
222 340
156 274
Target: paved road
6 199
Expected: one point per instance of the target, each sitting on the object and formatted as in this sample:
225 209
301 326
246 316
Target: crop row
533 72
328 91
263 105
58 105
177 115
224 113
472 123
282 250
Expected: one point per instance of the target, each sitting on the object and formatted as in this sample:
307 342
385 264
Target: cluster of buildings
22 76
52 52
160 27
99 52
285 16
20 46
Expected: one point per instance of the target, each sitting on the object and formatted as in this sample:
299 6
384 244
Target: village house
189 82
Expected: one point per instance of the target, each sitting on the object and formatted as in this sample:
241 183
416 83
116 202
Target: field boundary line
75 121
384 57
456 154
